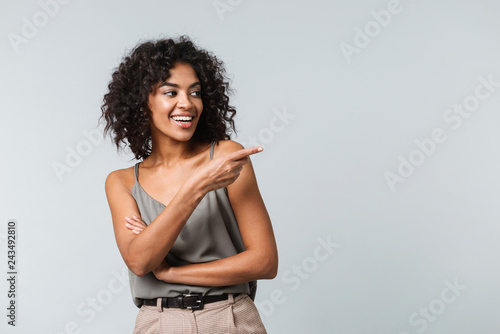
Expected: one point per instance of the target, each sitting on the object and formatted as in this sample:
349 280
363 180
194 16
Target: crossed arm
258 261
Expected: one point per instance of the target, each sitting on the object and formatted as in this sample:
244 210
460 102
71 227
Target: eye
170 93
196 93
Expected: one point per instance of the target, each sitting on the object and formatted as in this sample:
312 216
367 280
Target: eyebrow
177 86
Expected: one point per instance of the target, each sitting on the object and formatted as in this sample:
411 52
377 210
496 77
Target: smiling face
176 104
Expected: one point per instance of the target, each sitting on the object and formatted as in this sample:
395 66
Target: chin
176 134
184 137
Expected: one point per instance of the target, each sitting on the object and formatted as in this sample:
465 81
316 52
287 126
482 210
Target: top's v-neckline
140 187
136 173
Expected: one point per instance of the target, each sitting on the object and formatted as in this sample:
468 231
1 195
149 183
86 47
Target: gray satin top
211 233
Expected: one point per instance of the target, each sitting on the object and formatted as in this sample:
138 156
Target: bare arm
145 251
260 258
136 250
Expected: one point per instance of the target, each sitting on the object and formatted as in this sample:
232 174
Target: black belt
193 301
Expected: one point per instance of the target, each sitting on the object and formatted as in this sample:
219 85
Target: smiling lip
184 125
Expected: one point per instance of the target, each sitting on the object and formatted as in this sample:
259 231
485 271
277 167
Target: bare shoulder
120 178
225 147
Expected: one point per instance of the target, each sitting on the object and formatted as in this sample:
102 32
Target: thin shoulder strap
136 170
212 150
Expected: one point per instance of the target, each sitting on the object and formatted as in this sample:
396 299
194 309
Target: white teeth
182 118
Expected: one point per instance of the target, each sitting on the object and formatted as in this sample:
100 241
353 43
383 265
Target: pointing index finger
245 152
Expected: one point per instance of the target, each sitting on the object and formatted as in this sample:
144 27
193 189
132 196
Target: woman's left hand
135 224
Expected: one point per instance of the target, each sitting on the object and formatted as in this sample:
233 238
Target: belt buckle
199 300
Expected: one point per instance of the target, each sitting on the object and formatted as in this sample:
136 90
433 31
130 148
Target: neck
170 152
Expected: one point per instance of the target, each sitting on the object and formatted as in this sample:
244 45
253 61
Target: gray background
350 120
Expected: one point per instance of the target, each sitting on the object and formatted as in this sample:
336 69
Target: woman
188 219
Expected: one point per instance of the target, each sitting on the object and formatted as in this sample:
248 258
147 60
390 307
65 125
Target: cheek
199 106
161 107
159 112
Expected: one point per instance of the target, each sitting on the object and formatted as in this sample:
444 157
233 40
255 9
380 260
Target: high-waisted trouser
234 315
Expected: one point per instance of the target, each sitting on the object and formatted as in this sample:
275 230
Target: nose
184 101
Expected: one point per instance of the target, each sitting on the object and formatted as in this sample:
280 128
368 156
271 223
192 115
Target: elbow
138 272
138 268
270 268
141 263
272 272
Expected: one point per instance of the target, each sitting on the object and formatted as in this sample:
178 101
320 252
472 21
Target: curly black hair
125 106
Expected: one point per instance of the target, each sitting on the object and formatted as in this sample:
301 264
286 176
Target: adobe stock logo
223 6
74 157
429 313
294 276
31 27
363 37
277 124
96 303
454 116
373 28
